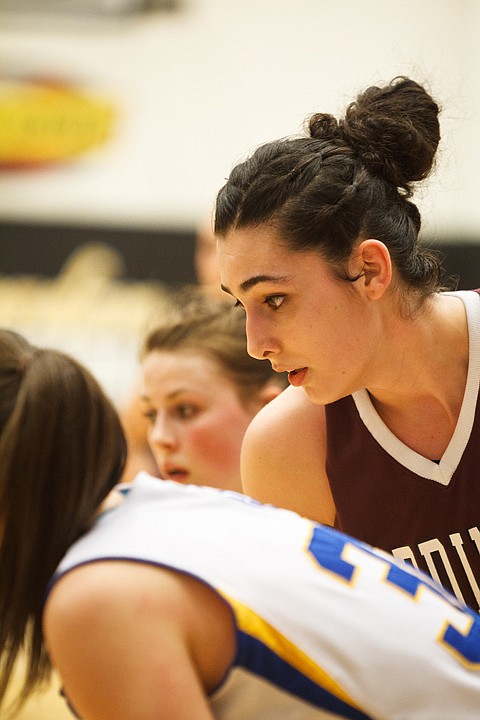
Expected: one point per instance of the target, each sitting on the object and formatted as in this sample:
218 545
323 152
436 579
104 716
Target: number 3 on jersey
356 565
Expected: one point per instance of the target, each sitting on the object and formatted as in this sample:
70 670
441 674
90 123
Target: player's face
300 315
196 419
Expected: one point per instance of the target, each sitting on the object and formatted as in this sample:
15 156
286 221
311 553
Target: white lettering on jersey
434 551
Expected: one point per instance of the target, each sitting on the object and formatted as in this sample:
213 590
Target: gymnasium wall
132 120
118 128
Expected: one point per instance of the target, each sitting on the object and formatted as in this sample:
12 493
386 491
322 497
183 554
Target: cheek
217 449
216 442
335 334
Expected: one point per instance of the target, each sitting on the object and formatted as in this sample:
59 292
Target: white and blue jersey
326 627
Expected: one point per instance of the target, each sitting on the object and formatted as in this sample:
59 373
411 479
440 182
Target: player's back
325 626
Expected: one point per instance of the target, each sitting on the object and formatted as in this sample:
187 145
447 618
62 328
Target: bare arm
283 457
130 643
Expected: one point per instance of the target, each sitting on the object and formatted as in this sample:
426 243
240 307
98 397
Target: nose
162 433
261 342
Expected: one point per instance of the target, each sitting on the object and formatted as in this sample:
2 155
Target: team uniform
391 497
326 627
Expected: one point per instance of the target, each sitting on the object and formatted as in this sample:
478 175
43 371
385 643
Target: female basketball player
379 434
177 602
200 390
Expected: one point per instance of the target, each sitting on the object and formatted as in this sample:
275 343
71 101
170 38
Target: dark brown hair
62 449
216 329
346 180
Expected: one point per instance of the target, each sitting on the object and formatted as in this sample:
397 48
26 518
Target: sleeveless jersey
325 626
393 498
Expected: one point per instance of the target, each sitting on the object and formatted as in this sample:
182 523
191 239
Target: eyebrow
171 396
246 285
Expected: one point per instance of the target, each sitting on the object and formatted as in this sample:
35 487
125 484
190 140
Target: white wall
200 88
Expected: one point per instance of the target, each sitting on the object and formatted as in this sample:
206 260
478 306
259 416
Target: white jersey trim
443 471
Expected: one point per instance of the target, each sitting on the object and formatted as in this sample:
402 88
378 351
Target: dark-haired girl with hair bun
379 435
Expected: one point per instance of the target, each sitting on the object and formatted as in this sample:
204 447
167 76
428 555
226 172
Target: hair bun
323 126
394 130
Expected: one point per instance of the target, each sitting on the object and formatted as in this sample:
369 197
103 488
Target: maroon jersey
386 494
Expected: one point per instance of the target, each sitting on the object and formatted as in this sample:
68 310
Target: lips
174 473
296 377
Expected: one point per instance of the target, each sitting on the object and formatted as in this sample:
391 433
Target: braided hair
345 180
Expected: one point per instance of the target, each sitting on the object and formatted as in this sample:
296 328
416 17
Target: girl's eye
274 301
185 411
238 304
150 415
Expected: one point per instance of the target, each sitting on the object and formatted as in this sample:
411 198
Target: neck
425 363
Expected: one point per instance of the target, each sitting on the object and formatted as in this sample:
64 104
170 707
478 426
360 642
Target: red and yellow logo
45 122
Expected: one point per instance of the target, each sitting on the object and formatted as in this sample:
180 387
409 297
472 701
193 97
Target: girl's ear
373 258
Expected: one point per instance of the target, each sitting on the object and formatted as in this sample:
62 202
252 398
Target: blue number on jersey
327 546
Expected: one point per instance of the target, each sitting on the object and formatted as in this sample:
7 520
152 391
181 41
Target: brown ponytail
61 450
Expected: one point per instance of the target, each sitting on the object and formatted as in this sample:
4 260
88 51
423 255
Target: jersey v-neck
443 470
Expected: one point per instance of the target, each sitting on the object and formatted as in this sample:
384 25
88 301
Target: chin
319 396
314 394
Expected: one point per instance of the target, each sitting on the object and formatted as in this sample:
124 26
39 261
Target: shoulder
283 456
276 430
291 406
134 591
96 594
107 624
